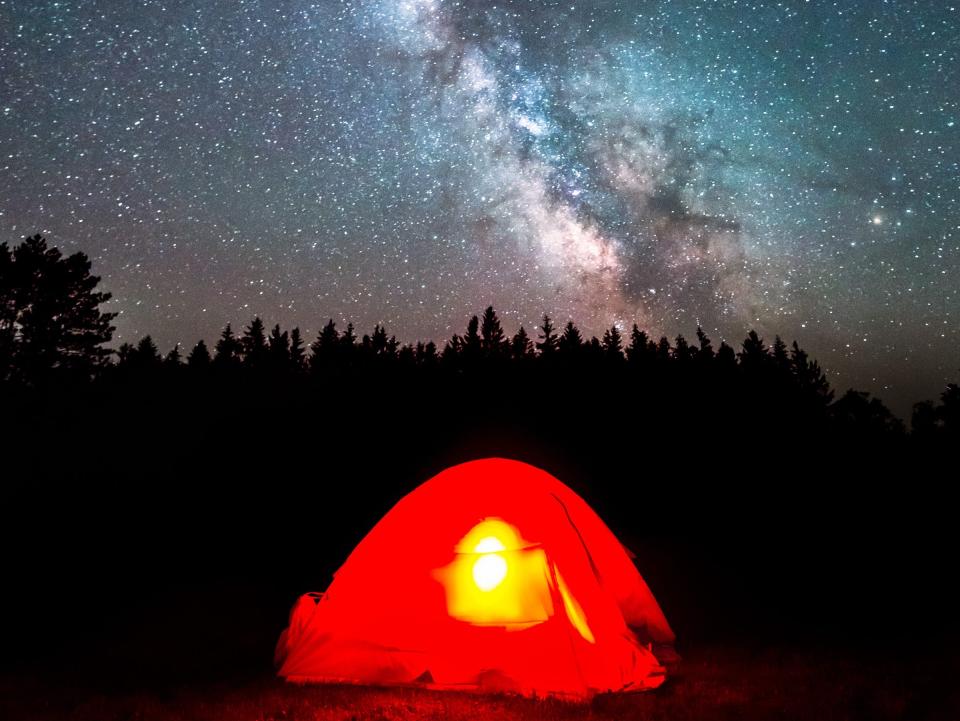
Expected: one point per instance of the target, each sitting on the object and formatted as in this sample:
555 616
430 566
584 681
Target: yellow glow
573 609
489 571
490 535
491 568
490 544
497 579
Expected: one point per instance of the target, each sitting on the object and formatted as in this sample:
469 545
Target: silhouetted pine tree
326 349
593 349
143 358
430 356
379 345
452 352
49 313
227 352
279 349
255 351
859 416
780 356
726 358
941 421
406 356
199 357
662 352
948 412
754 354
147 351
426 354
637 353
492 342
549 342
613 344
521 347
809 378
123 354
924 423
348 344
470 350
705 353
173 359
378 340
571 342
297 353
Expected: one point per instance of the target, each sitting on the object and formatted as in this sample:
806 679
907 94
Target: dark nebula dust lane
788 166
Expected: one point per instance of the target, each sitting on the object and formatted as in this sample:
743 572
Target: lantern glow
491 568
489 571
497 578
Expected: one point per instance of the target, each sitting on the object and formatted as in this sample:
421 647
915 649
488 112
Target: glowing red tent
491 575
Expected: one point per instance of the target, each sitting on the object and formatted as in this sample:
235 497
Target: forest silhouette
52 332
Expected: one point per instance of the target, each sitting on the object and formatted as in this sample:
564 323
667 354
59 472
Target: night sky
790 166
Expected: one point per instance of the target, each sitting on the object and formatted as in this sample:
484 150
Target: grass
712 683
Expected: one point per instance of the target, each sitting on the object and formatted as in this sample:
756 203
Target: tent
492 575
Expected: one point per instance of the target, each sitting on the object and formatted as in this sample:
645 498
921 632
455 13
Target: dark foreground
711 683
157 536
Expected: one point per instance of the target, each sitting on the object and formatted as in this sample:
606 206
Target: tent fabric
491 575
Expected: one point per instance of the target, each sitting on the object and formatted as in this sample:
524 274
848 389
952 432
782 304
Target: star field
789 166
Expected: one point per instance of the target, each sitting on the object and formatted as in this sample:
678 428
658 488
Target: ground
710 683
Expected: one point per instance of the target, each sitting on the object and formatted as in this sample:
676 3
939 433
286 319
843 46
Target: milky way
788 166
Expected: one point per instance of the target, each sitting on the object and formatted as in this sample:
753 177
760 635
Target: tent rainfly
493 575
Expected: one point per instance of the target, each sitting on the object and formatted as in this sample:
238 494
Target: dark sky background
790 166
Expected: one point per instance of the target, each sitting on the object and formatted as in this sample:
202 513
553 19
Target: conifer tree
326 348
491 334
705 353
50 316
637 350
780 355
199 357
521 347
228 350
754 353
173 359
613 343
548 343
296 350
681 350
471 341
255 351
571 342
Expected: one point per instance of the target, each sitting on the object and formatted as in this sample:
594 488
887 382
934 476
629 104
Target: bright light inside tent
490 568
490 544
496 578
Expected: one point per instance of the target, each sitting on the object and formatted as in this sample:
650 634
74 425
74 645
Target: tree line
52 329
